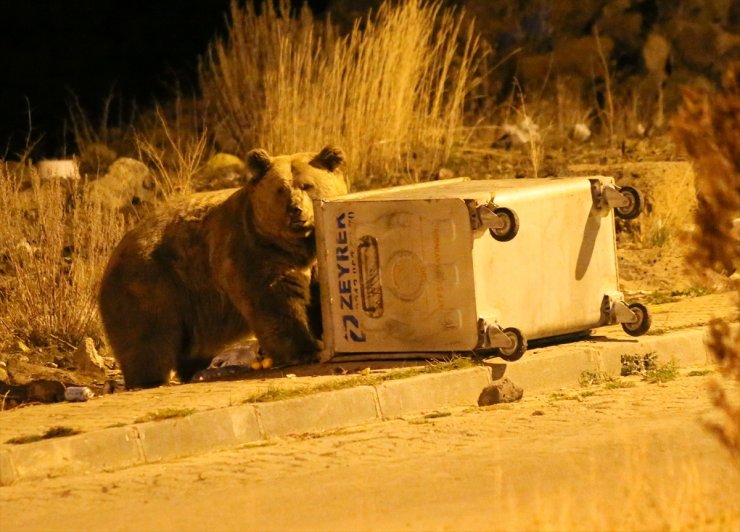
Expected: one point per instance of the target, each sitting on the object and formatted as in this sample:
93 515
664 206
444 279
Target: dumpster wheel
643 322
511 225
516 351
634 207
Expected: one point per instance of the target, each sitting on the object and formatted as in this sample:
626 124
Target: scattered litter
580 132
77 394
290 376
365 371
525 132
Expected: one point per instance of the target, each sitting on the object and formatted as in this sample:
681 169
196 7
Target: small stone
580 132
443 173
87 360
44 391
501 391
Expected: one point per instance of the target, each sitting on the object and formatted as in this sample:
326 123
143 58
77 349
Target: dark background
52 51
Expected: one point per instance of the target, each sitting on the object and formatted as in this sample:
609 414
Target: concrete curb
542 370
554 367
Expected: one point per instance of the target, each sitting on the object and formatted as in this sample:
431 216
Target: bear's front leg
277 311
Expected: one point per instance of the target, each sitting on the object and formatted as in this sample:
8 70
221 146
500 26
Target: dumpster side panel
397 276
551 278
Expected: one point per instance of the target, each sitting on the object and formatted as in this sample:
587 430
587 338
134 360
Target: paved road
588 458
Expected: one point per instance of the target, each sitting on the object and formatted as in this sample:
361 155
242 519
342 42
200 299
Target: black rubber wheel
516 351
642 325
634 208
511 225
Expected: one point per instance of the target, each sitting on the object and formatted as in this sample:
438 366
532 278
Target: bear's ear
258 162
330 158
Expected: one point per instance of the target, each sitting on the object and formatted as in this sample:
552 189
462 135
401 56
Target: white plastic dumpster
471 266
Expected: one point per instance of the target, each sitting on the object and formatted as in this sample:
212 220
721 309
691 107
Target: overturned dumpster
471 266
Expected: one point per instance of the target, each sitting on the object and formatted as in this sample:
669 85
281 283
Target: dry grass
391 93
708 126
175 153
672 201
54 243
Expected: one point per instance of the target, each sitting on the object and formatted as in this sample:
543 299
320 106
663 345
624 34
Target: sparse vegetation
571 396
165 413
660 297
699 372
55 243
594 377
53 432
603 379
662 373
275 393
638 364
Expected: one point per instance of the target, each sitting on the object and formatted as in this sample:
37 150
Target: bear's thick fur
220 266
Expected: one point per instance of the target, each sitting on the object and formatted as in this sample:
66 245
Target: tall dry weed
391 93
708 126
54 243
175 153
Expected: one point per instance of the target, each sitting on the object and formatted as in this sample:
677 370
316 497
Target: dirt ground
579 459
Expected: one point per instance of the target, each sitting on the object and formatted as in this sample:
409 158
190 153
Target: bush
391 93
54 244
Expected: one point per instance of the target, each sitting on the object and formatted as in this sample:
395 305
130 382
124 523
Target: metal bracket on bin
491 335
627 202
607 196
502 223
615 310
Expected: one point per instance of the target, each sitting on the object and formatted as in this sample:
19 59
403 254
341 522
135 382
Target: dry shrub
54 244
391 93
175 153
708 126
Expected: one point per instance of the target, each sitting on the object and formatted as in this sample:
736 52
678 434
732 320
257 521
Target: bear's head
282 190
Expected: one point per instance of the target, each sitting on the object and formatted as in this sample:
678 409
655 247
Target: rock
87 360
571 57
501 391
442 173
4 377
223 170
580 132
521 134
128 182
696 43
655 54
43 391
624 28
96 158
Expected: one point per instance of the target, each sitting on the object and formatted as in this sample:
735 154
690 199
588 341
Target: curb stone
553 367
119 447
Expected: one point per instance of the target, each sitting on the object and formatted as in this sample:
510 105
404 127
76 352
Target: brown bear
218 267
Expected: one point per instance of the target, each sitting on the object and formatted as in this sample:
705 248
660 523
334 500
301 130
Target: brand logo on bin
347 281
